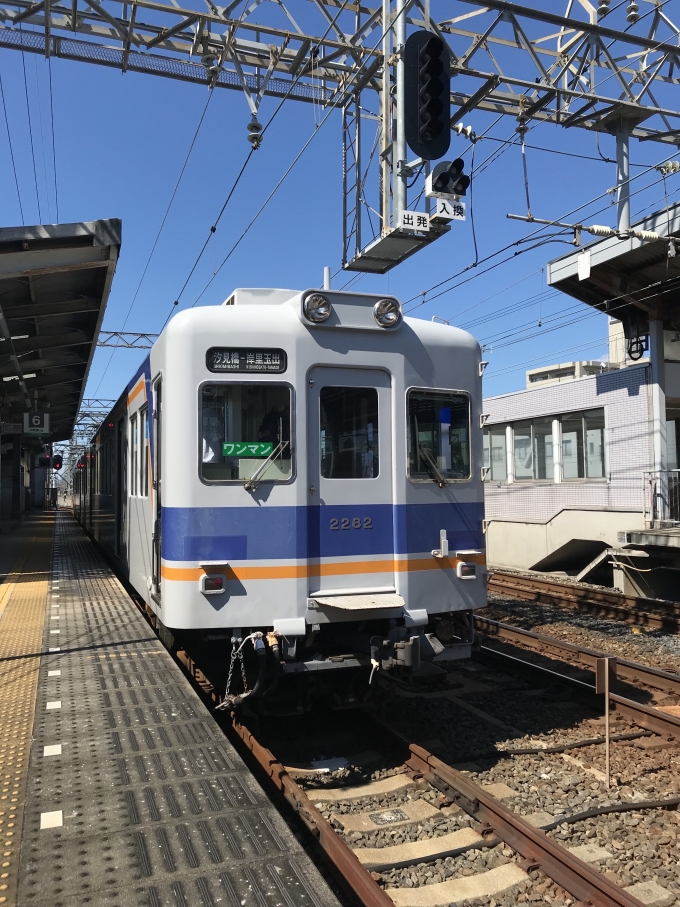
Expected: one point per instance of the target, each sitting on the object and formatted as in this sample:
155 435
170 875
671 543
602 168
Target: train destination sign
247 449
230 359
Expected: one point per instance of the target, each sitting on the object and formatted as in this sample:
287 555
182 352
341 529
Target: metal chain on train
234 648
243 670
236 653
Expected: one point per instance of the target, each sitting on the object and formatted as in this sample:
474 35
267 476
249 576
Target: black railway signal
427 95
447 179
57 461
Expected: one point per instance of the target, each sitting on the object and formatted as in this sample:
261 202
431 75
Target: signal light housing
447 180
57 461
427 95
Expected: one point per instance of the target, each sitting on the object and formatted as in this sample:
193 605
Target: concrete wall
525 545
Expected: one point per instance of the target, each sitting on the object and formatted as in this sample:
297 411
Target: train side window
144 452
438 435
349 432
245 431
134 448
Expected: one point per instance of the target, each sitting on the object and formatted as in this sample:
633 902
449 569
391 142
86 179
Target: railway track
657 614
487 850
652 718
488 830
534 852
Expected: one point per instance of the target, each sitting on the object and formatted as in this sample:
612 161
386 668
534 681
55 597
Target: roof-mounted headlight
387 313
317 308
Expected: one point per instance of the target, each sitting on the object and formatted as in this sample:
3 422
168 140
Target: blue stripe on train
248 533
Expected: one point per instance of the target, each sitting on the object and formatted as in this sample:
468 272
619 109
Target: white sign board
36 424
447 209
414 220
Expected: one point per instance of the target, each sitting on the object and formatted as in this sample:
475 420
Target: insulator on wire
632 12
460 129
254 132
599 230
603 8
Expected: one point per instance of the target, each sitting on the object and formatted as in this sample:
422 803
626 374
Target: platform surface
132 796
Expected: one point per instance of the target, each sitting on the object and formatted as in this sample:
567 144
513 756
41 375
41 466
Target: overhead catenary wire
11 152
158 234
213 228
42 137
535 233
54 152
292 165
30 131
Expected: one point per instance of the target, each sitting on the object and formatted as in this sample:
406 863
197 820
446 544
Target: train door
121 489
350 528
156 437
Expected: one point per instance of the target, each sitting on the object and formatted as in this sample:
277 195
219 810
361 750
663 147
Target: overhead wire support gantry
610 71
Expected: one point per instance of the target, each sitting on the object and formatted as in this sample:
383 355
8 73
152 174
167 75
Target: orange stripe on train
303 571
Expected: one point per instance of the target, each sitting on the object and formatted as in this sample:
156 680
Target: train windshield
439 436
245 432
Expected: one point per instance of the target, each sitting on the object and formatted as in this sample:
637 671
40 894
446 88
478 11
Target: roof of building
619 275
54 285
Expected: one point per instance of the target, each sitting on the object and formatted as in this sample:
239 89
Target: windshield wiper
435 473
251 483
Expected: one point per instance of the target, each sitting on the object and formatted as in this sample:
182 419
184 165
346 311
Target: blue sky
121 140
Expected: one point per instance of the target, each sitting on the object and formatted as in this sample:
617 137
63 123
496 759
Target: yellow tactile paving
23 598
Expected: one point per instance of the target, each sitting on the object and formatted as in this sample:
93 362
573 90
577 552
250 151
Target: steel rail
626 670
578 878
649 612
345 862
648 717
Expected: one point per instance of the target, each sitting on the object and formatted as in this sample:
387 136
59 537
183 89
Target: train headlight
387 313
317 308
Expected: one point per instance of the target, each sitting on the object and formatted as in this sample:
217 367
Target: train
298 475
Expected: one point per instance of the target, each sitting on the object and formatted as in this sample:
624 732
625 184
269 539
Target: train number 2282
356 523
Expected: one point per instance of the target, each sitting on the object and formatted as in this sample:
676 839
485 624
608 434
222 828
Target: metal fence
662 498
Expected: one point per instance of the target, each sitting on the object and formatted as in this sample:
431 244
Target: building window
583 448
495 454
594 432
439 435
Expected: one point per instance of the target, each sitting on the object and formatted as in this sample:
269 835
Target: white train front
307 463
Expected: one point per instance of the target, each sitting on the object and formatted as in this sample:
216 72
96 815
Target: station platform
118 789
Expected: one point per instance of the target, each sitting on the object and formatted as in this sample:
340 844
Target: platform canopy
54 285
631 279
